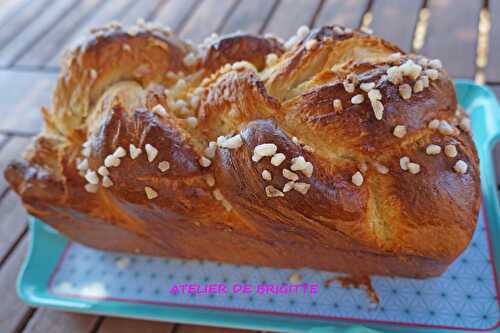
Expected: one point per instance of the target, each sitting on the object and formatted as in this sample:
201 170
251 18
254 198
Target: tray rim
36 292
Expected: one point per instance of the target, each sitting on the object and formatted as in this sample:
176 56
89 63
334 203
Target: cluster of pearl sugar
92 176
450 150
407 165
82 165
185 107
420 72
302 32
231 142
114 160
298 164
350 83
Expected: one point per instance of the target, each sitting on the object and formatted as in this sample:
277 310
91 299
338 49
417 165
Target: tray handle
484 110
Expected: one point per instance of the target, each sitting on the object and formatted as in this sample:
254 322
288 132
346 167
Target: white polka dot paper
466 296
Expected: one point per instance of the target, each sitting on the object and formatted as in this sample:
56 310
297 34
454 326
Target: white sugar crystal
192 121
159 110
288 186
414 168
91 177
357 179
357 99
298 163
405 91
205 162
234 142
211 149
120 152
434 124
91 188
308 170
378 109
150 193
111 161
107 182
399 131
151 152
164 166
460 167
103 171
134 151
266 175
374 94
83 165
367 86
432 74
290 175
450 150
432 149
436 64
301 187
445 128
403 162
277 159
272 192
265 149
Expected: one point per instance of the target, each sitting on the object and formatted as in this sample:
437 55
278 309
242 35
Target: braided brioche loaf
334 151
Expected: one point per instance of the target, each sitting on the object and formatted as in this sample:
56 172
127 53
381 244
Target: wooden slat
8 10
111 10
493 68
206 329
395 20
13 312
343 12
46 320
122 325
12 149
33 32
452 34
48 46
23 18
206 19
141 9
21 96
175 12
249 16
290 15
14 223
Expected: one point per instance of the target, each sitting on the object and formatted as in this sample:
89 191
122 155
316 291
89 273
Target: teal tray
47 247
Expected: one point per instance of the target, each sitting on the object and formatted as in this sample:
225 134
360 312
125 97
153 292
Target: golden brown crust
347 201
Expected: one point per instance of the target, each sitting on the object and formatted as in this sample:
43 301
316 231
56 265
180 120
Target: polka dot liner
465 296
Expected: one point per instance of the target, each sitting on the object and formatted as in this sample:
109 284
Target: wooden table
464 34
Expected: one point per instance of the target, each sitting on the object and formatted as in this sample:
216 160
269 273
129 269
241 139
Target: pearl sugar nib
150 193
151 152
134 151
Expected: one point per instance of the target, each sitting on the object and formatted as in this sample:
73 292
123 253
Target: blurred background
464 34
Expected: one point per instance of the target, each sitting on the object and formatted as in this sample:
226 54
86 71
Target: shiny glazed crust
368 192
